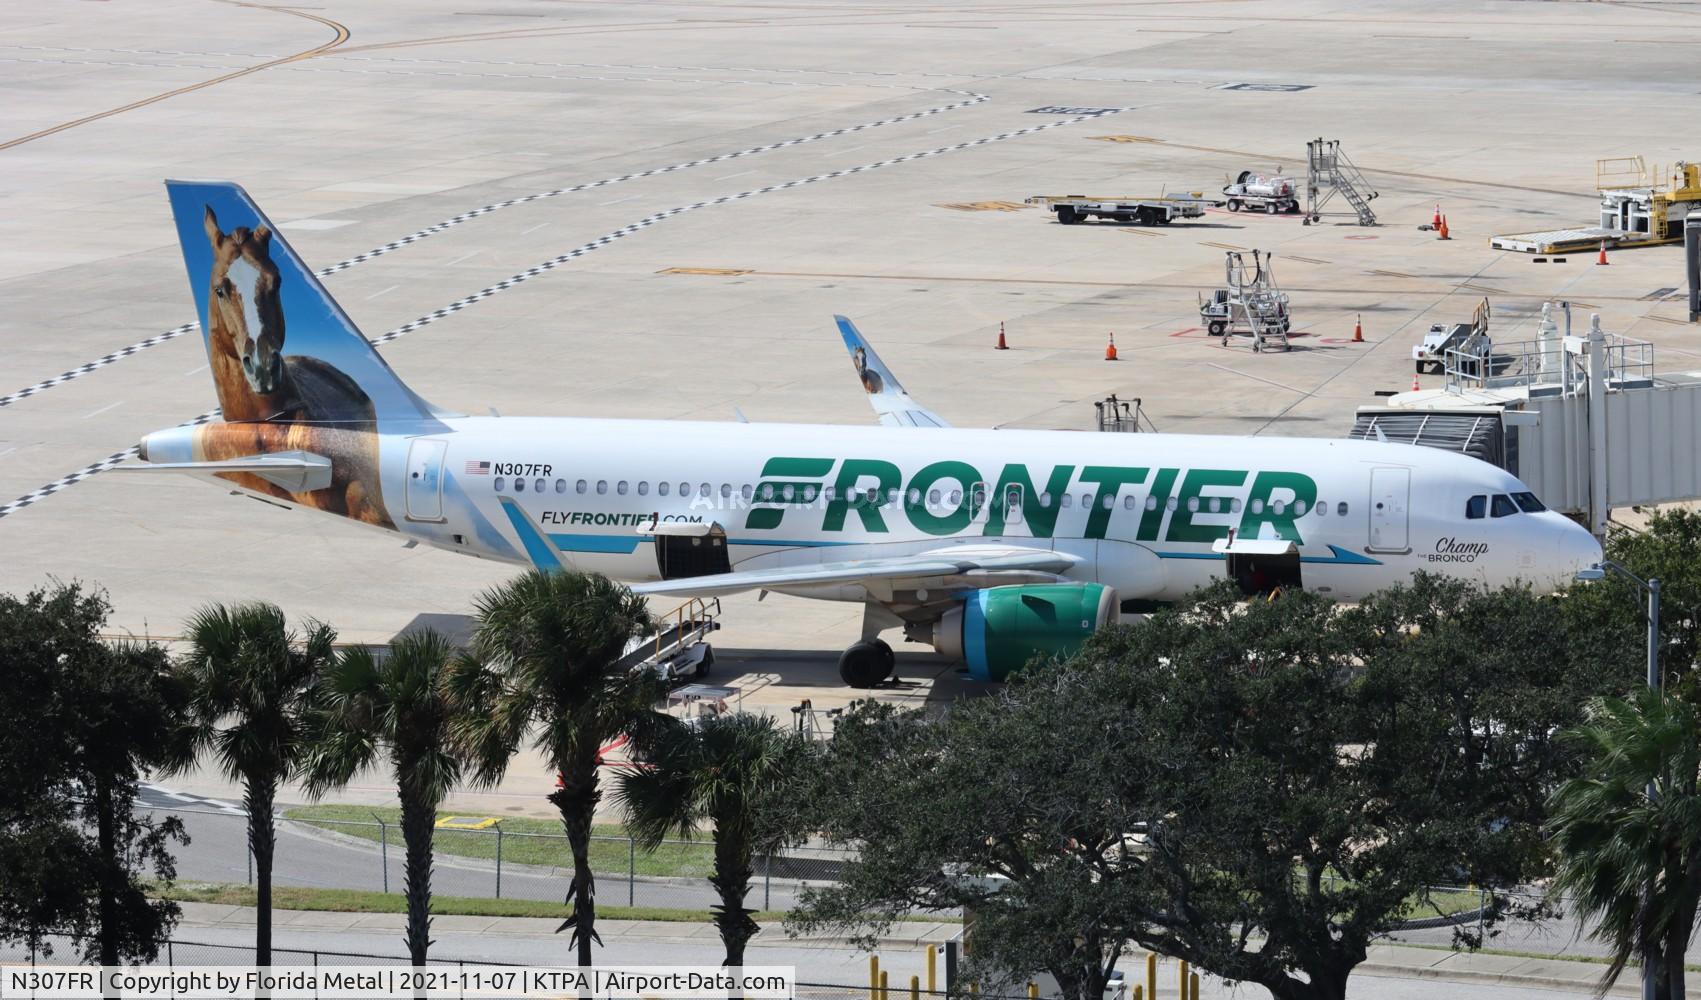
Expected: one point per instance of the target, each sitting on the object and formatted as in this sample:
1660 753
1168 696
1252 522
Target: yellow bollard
885 991
1181 979
1139 992
1195 984
1152 976
915 988
974 989
874 977
932 968
1033 991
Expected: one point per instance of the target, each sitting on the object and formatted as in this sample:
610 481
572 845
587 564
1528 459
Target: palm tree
722 771
1615 841
547 653
251 683
398 705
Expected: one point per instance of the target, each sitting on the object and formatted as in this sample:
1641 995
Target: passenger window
832 493
726 491
873 495
705 490
1216 504
809 494
1172 503
1341 509
661 489
1012 497
1234 505
1278 507
1067 500
915 497
1152 502
643 487
684 490
933 497
540 484
581 486
1128 502
498 484
1045 499
561 486
748 491
1086 500
1476 507
1257 506
1299 508
1192 505
977 496
1322 508
892 496
602 487
1502 506
767 491
1528 503
1109 501
519 485
954 499
620 487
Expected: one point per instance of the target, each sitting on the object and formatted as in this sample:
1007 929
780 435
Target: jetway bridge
1584 420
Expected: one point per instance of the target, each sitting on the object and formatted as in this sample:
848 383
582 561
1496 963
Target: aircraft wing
975 568
893 405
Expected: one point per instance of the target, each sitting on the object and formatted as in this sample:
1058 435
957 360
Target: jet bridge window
1476 508
1503 506
1528 503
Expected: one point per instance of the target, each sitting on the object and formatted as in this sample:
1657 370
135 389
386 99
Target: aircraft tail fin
278 345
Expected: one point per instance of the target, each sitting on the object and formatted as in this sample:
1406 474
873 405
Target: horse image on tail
274 401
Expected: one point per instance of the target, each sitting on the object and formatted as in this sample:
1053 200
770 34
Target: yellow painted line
1123 138
1663 319
721 272
466 822
342 35
1141 232
1305 260
1395 274
1222 246
983 206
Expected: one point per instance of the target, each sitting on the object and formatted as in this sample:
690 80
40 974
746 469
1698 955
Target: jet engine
998 630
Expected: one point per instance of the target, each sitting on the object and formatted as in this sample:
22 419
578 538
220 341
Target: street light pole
1656 682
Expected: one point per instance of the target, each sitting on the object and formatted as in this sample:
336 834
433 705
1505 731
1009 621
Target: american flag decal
478 468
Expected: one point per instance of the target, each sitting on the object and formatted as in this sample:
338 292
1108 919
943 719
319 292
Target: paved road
217 852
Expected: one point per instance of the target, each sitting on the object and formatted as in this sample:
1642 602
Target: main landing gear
865 664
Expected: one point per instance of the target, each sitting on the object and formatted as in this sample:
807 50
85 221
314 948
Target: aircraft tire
891 657
863 665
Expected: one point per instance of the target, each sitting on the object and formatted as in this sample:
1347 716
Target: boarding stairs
679 647
1265 335
1330 172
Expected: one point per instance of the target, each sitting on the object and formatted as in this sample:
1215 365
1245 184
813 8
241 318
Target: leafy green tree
1018 808
1265 787
79 722
133 715
397 706
251 681
727 772
547 662
1606 616
1615 842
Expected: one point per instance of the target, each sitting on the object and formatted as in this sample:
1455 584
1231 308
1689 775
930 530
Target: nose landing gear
867 663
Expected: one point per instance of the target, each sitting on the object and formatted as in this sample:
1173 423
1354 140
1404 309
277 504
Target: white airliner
990 545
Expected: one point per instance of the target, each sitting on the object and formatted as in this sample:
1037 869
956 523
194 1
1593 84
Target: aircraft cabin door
425 479
1390 496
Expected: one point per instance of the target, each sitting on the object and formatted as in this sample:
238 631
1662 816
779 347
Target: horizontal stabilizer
295 471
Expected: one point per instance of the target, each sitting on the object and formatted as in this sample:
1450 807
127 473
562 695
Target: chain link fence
489 863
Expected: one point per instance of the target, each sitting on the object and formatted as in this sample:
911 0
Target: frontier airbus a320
990 545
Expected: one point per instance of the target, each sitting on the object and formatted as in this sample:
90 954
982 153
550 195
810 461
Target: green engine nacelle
998 630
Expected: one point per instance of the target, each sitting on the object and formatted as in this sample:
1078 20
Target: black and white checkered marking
597 244
430 231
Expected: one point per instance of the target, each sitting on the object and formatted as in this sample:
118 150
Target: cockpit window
1528 503
1477 507
1503 506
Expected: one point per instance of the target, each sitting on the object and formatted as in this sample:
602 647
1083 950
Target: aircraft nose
1577 549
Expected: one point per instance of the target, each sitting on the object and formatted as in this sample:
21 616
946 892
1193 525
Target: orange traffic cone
1436 224
1444 230
1110 349
1002 346
1602 258
1358 331
1415 386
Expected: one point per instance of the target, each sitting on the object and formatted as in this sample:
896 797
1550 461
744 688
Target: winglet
891 403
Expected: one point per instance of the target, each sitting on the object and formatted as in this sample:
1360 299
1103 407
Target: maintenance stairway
1330 171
